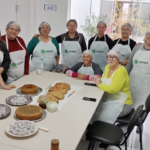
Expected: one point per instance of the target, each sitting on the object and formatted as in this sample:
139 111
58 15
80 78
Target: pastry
22 128
56 94
51 98
29 112
63 85
29 89
62 90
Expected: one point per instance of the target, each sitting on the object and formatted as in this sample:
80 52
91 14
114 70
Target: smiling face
101 28
125 32
147 38
12 32
86 59
45 30
113 60
72 27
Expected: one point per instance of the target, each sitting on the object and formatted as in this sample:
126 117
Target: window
114 13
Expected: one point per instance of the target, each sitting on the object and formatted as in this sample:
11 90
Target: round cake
29 89
29 112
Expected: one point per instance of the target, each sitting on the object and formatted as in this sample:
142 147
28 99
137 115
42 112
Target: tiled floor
133 142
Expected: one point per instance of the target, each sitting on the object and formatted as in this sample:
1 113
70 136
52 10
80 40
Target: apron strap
105 37
113 72
7 42
118 41
17 41
78 40
129 41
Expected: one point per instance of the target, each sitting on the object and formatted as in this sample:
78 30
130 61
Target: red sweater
14 46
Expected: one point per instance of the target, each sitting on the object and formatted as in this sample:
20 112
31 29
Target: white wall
57 19
31 13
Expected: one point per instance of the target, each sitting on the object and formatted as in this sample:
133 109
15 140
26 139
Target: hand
138 44
124 63
97 81
82 76
36 35
1 69
9 87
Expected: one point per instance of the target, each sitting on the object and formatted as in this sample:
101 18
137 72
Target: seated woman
45 47
117 100
86 70
4 65
18 53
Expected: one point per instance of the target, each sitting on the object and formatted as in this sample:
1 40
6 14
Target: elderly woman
73 44
45 47
86 70
138 68
117 100
100 44
4 65
18 53
124 44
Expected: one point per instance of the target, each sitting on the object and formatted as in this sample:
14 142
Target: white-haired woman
100 44
43 47
117 100
18 52
124 44
138 68
86 70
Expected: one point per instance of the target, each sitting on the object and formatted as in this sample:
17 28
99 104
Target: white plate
9 133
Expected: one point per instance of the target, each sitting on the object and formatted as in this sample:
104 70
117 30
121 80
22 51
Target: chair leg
119 147
126 145
91 145
140 133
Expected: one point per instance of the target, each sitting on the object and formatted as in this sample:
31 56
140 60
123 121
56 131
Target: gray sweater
130 61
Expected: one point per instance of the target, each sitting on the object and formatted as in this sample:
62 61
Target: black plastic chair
111 134
125 120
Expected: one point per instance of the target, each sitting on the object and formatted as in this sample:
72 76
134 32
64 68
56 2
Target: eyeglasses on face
111 57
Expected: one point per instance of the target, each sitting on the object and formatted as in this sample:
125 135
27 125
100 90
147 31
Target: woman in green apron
44 47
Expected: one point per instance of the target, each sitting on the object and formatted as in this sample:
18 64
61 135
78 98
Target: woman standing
73 44
44 47
100 44
18 53
138 68
124 44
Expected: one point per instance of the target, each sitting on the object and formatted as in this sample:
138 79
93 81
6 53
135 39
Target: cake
29 89
29 112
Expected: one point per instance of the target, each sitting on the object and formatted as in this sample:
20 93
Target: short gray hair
13 23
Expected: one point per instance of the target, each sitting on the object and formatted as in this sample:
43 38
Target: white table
67 125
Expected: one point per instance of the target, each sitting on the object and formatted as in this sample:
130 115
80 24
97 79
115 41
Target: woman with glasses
43 47
138 68
86 70
117 100
100 44
73 44
124 44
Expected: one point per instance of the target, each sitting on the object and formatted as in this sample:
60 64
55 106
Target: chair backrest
147 104
134 119
145 112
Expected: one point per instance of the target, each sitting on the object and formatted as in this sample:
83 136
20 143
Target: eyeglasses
111 57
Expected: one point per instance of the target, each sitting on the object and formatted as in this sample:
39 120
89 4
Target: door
7 13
